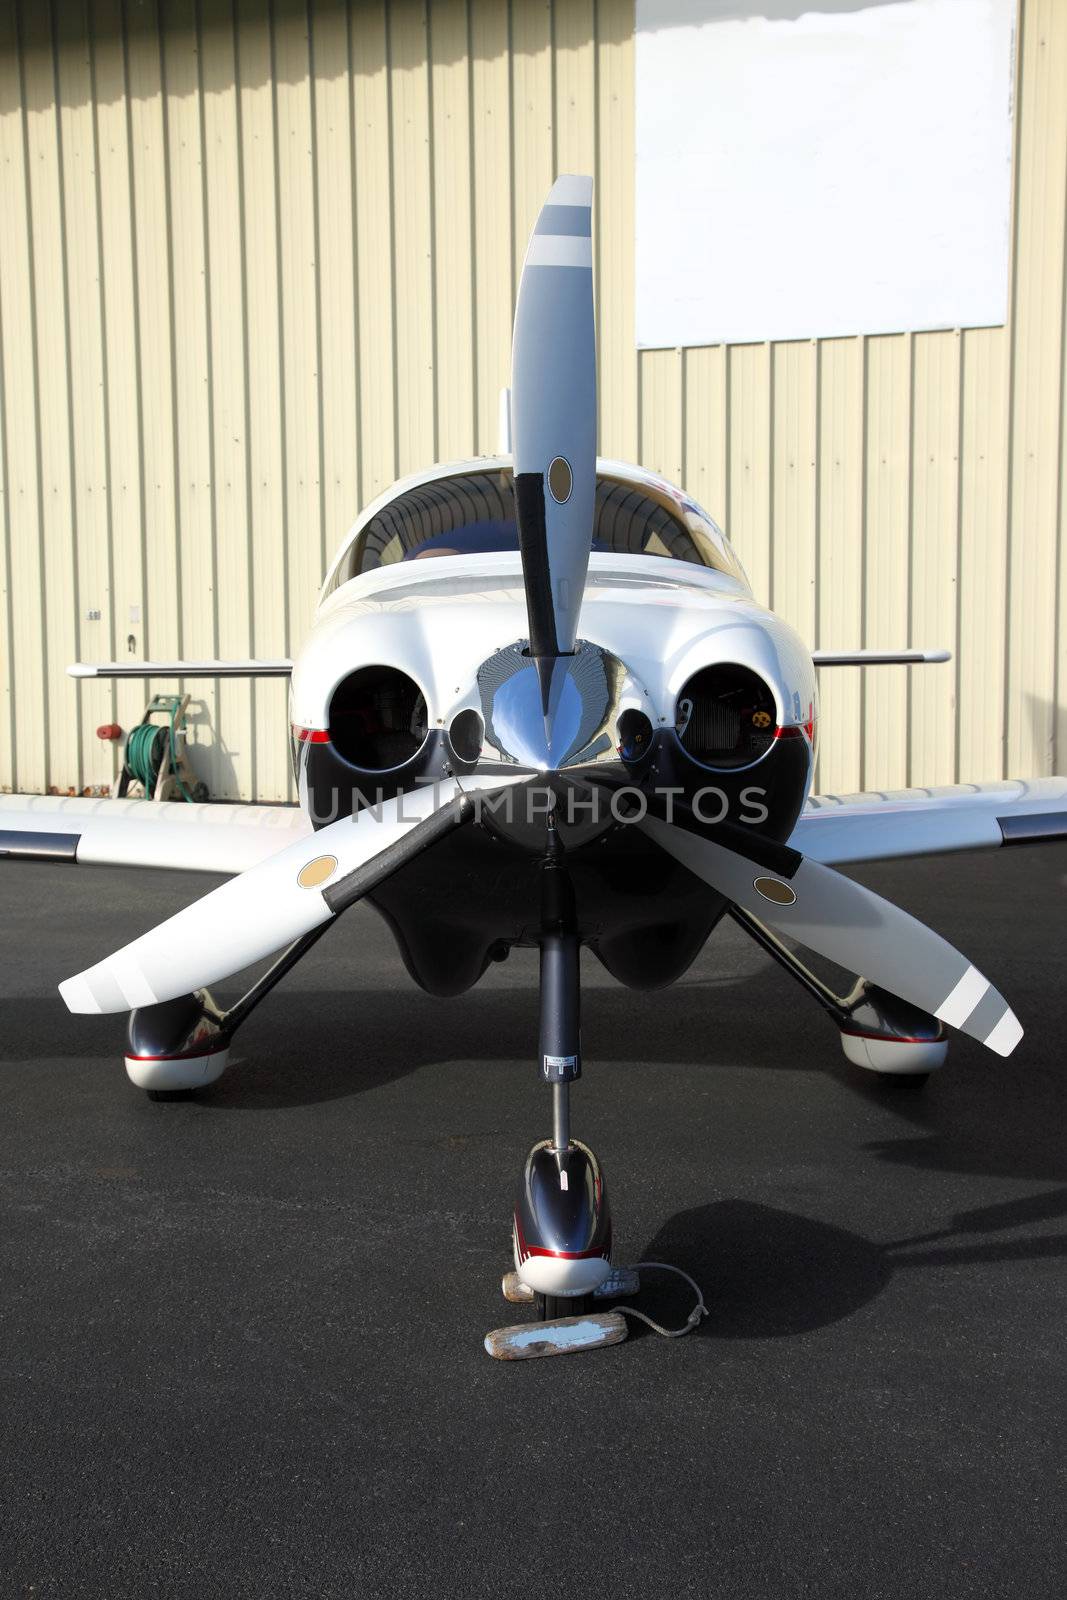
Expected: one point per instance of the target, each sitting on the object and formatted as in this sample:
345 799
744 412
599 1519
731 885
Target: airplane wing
833 829
145 833
836 829
280 668
877 658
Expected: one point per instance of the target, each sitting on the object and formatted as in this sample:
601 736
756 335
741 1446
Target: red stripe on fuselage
603 1252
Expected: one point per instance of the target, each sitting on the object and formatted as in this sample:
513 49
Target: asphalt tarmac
241 1336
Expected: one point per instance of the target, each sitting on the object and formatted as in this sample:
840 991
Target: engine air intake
726 716
378 718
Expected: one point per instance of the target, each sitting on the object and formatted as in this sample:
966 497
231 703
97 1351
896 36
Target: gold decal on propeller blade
560 480
316 872
773 889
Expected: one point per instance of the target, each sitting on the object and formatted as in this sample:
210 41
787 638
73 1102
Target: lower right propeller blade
852 926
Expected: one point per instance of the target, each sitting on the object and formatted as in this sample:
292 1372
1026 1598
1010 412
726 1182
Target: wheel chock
561 1337
619 1284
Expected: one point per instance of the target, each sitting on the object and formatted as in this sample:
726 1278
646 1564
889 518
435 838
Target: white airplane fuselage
439 620
653 625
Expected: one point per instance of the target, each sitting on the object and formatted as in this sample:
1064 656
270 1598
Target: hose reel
154 755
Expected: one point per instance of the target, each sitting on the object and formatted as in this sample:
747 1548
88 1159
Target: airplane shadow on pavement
769 1273
980 1115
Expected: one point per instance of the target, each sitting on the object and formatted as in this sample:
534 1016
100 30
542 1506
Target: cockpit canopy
470 512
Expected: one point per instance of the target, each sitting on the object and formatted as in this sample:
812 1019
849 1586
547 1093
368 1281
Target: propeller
252 915
850 925
553 414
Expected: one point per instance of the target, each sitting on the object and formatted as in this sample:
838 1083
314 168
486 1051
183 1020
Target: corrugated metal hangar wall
257 260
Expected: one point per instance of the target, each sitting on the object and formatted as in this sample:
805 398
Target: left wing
145 833
837 829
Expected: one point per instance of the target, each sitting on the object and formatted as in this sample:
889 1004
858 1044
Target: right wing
836 829
879 658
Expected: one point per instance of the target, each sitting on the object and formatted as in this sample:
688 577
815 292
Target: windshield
474 512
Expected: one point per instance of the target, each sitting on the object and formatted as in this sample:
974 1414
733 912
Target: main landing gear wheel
901 1062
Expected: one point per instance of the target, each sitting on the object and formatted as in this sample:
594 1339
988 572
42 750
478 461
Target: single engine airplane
540 705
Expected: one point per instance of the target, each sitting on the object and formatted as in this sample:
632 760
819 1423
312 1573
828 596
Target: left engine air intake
378 719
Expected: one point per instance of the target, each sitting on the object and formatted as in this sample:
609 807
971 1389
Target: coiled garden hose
145 748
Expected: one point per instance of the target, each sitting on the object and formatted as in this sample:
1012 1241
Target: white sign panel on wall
807 168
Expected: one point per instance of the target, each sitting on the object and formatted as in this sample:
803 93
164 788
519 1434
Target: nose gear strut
562 1226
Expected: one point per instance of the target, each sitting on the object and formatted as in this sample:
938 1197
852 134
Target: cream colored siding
25 734
887 499
258 259
1036 462
452 371
840 535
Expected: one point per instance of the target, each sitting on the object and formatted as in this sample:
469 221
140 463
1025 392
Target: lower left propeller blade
256 913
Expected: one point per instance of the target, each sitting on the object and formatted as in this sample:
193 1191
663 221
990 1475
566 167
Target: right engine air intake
726 716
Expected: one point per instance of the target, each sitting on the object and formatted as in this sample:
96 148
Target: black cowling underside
644 915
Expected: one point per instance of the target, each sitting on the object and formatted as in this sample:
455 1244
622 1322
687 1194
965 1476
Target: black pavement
241 1336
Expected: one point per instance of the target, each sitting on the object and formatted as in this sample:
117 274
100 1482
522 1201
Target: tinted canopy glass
474 512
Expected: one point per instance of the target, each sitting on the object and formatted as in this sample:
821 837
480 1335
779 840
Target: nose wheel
547 1307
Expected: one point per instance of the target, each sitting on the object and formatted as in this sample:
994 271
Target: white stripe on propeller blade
559 250
964 998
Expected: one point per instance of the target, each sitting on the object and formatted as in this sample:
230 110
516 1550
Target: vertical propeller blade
553 412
